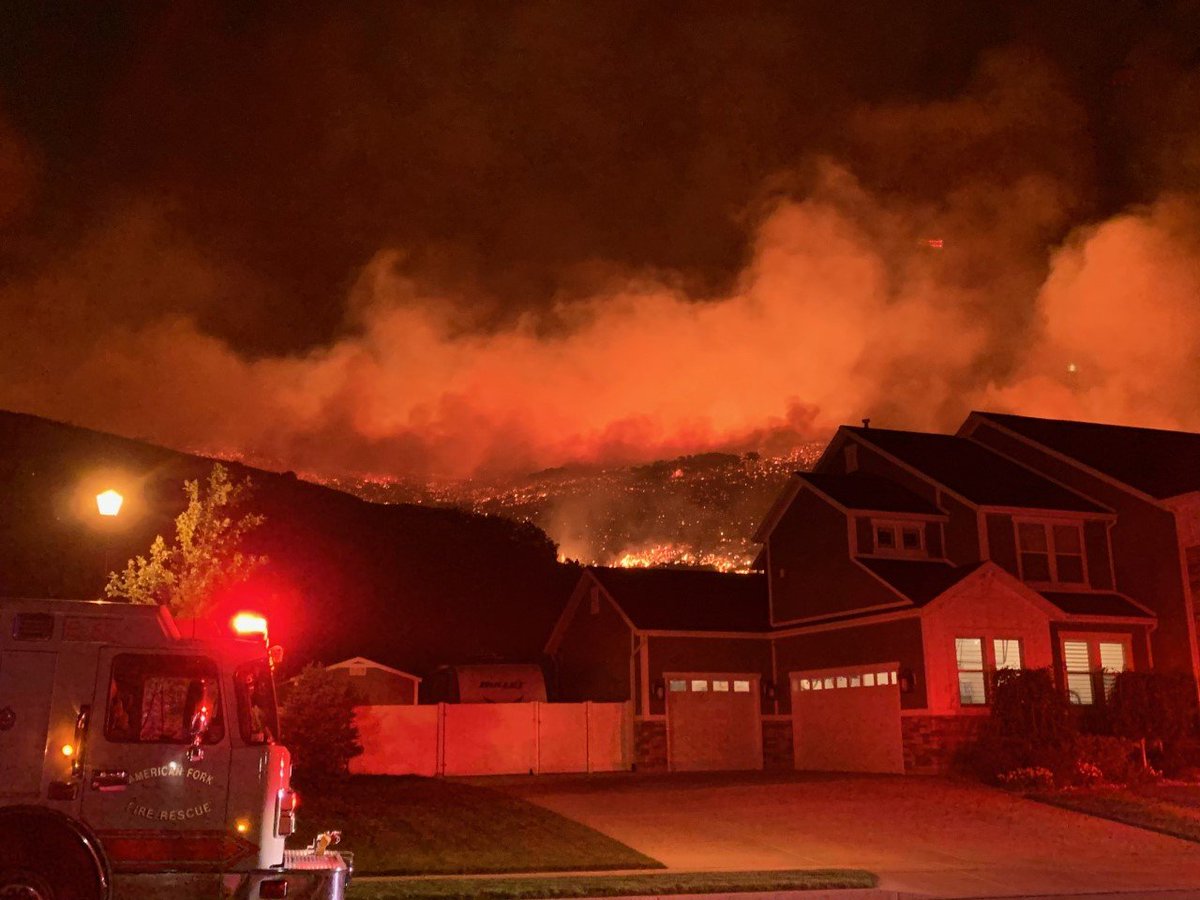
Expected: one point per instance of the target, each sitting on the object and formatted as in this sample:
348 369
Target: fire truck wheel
46 860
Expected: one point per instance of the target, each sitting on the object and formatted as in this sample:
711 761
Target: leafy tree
317 721
206 556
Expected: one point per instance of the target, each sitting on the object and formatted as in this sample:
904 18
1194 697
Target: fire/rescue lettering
168 815
197 775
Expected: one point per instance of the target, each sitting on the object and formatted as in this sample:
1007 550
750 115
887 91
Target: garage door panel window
699 685
721 686
741 687
678 684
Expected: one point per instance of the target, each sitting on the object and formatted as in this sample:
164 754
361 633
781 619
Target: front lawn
425 826
611 885
1169 808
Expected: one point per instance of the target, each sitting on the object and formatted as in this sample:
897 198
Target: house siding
751 656
1002 542
377 687
962 531
592 660
1145 547
899 641
812 572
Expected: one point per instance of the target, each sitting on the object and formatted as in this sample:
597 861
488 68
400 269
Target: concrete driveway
921 835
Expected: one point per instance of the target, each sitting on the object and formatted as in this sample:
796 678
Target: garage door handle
109 779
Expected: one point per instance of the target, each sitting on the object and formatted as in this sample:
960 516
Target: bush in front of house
1156 710
1030 729
317 722
1117 759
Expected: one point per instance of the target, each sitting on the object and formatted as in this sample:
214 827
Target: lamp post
108 504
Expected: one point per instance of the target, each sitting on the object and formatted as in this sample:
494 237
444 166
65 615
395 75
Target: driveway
923 835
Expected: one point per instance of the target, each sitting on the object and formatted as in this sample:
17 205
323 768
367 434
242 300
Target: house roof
371 664
1159 463
688 599
973 471
860 490
1092 603
920 580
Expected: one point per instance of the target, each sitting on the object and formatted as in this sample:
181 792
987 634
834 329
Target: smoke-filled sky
480 238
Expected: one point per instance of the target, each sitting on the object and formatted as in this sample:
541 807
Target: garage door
847 720
713 722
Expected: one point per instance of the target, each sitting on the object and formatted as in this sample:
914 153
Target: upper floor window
899 538
1051 552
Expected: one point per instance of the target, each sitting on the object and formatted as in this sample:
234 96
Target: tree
206 556
1156 709
317 721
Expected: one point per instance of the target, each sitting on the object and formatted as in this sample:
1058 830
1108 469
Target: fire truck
138 759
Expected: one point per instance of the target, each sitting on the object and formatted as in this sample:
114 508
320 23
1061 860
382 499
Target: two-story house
900 573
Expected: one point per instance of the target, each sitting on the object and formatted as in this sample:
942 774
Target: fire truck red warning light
246 624
935 243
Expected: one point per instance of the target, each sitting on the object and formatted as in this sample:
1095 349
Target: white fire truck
137 762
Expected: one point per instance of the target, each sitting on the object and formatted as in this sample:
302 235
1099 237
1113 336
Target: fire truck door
155 801
26 684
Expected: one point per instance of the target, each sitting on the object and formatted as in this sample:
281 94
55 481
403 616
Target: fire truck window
153 698
257 717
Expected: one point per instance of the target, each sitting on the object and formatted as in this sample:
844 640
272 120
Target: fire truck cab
136 761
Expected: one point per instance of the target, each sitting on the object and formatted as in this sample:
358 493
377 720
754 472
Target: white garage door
713 722
847 720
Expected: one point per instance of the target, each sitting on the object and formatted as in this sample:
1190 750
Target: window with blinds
1077 661
971 682
1086 657
1007 653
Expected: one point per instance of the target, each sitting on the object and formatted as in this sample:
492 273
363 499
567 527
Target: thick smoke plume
924 257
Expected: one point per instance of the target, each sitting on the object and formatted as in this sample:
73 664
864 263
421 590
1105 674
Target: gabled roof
1159 463
687 599
974 472
919 580
370 664
862 491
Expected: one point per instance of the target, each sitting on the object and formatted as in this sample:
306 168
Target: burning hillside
690 511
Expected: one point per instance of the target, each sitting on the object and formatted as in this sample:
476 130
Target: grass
610 885
425 826
1167 808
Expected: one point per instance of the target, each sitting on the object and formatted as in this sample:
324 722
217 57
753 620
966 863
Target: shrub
1157 709
317 722
1029 778
1117 759
1030 728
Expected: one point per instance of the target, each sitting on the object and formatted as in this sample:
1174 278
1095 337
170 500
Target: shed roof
973 471
1159 463
673 599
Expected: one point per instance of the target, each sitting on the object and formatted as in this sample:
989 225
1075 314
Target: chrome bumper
309 876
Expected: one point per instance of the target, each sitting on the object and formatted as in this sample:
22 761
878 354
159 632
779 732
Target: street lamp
109 503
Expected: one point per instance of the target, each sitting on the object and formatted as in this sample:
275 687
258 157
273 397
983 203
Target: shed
375 684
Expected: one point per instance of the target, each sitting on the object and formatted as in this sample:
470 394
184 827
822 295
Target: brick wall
650 745
932 743
777 744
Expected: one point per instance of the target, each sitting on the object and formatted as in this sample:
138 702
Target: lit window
869 679
892 677
721 686
1050 554
1008 653
969 654
678 685
1077 662
817 686
805 684
1084 658
881 678
699 685
741 687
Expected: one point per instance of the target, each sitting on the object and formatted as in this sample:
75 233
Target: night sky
454 239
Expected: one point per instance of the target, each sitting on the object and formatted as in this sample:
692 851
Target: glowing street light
109 503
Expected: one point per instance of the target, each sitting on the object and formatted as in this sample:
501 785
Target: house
375 684
897 576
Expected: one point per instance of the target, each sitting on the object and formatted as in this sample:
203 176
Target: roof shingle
975 472
1159 463
688 599
861 491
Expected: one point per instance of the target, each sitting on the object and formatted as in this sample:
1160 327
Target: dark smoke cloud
479 239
